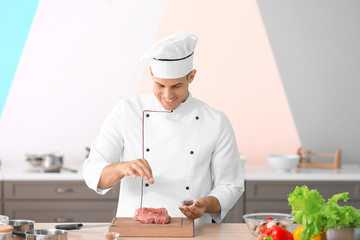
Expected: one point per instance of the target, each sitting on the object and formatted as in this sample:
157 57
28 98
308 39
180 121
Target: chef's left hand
209 204
194 211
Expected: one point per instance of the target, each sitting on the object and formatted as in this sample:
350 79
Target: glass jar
4 220
6 232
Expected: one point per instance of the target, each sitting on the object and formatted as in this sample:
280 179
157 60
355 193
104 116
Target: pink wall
236 72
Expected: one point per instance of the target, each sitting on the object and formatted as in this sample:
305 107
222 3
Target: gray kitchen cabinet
236 213
1 197
58 201
73 201
271 196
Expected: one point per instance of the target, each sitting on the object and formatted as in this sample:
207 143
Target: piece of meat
152 215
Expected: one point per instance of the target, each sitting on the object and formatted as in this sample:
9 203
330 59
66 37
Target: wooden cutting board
128 227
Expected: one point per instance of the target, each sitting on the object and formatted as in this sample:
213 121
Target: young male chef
169 145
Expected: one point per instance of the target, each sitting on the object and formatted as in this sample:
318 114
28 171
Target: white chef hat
172 56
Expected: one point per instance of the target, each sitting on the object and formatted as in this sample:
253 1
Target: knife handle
69 226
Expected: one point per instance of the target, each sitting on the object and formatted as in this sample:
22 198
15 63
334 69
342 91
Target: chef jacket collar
182 107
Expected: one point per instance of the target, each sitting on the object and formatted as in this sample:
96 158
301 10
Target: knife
80 226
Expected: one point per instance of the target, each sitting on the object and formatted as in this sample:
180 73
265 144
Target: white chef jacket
191 150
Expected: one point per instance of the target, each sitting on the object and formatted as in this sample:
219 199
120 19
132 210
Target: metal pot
342 233
52 163
43 234
21 226
34 159
48 162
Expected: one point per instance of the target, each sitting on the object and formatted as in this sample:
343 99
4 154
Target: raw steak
152 215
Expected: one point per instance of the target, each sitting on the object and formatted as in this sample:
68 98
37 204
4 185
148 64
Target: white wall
81 57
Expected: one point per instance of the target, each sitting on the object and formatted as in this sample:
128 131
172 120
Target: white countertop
251 173
347 172
26 172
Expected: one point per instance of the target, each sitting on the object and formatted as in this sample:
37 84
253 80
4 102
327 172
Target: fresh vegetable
340 217
272 223
307 207
298 231
260 236
277 233
317 215
263 228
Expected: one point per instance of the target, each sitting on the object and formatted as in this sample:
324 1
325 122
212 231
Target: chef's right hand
138 168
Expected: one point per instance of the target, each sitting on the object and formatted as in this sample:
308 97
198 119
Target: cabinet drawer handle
64 190
59 219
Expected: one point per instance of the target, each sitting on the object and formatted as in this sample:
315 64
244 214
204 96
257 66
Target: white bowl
283 162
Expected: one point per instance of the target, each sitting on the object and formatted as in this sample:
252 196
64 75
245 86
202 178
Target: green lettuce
340 217
307 208
317 215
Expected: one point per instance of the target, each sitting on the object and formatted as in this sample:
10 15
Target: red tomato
263 228
269 218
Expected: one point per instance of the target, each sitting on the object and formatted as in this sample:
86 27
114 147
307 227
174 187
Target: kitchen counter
229 231
348 172
26 172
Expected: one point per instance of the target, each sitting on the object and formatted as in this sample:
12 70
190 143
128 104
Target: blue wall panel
15 21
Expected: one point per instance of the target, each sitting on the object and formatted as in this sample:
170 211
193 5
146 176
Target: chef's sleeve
226 170
106 149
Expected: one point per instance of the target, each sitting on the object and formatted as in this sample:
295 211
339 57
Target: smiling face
172 92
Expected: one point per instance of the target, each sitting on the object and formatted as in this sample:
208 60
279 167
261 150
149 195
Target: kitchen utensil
69 169
283 162
4 220
305 160
87 152
255 220
48 162
142 192
52 163
189 202
342 233
80 226
6 232
21 226
34 159
43 234
177 227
